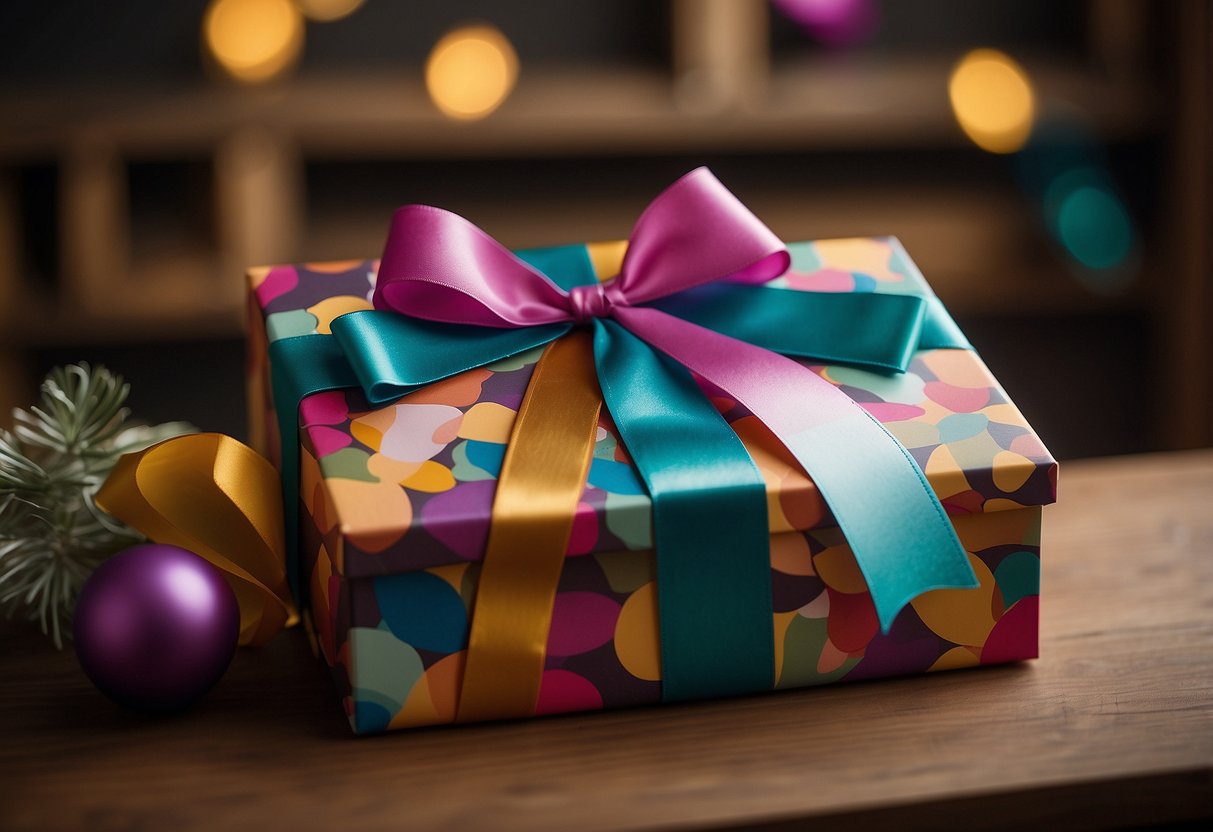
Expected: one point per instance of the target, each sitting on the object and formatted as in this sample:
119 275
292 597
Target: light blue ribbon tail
862 470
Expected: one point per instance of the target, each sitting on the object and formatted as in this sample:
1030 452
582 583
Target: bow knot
594 301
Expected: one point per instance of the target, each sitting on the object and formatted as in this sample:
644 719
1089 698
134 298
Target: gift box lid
409 485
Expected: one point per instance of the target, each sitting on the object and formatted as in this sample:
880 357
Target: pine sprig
52 535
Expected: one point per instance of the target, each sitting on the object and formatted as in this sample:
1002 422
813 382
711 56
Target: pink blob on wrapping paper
328 440
562 691
324 409
581 622
585 530
1015 635
958 399
279 281
1029 445
419 431
824 280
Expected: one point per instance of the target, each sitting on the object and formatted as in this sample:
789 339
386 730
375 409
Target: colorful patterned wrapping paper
398 501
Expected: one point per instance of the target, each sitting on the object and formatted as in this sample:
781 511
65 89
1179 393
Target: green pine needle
52 535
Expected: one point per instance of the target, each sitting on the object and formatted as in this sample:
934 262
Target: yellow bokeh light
993 100
326 11
470 72
253 40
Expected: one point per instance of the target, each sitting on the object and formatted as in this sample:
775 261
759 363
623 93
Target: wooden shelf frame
817 104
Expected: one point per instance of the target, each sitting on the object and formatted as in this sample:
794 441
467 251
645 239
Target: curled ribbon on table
687 305
220 499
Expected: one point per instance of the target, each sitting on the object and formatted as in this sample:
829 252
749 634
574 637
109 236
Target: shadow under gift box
396 503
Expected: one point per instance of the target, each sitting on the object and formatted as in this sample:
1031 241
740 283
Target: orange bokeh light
471 71
993 100
253 41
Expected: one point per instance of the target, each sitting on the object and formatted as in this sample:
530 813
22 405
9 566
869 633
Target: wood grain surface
1113 726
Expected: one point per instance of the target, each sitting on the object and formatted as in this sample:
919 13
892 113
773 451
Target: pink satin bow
439 266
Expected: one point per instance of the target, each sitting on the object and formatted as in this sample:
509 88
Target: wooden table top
1112 726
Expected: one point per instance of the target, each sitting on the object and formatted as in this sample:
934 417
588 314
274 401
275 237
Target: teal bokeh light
1087 216
1094 227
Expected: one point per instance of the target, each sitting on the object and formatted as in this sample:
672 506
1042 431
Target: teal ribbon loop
391 354
879 332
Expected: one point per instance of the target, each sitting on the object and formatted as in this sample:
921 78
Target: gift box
397 497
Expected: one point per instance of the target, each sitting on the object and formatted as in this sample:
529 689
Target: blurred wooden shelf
819 104
46 323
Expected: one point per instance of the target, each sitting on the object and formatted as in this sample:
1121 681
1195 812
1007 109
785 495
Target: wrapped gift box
397 499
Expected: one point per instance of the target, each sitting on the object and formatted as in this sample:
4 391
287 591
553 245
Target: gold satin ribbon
541 479
217 497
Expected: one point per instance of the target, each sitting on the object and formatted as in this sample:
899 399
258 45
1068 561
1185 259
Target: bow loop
696 231
439 266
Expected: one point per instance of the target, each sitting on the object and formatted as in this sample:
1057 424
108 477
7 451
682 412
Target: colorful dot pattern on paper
404 491
604 649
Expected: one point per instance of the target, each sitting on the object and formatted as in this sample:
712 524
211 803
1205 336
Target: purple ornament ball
155 627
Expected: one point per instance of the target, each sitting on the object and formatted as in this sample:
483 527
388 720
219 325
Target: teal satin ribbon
761 316
300 367
710 526
709 504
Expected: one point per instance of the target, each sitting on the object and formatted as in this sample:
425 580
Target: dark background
1087 362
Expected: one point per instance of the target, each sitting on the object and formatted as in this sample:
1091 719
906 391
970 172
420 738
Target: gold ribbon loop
217 497
541 480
